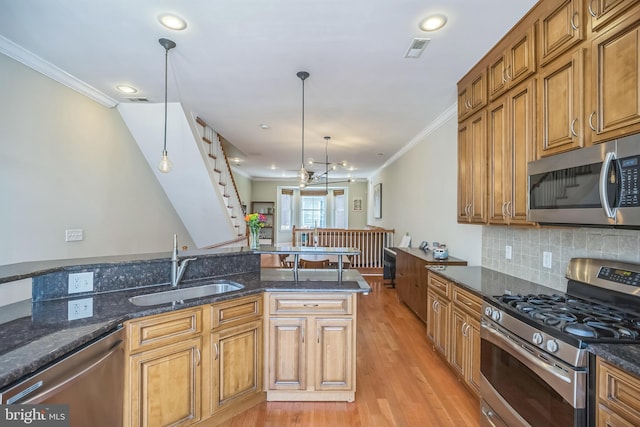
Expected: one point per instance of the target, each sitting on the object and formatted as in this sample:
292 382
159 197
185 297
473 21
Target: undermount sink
181 294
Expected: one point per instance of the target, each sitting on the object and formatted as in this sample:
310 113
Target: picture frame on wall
377 201
357 204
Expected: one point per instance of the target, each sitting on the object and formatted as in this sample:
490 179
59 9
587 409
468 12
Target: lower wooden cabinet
311 347
454 328
188 366
411 283
164 370
618 402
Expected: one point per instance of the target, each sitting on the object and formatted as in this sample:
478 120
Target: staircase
200 187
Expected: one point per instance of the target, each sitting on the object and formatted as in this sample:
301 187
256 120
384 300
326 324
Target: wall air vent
416 48
137 99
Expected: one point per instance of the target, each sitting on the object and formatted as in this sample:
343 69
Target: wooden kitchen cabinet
513 64
236 356
615 87
561 105
511 144
164 370
562 26
311 353
472 92
438 314
618 402
411 283
472 169
603 12
465 337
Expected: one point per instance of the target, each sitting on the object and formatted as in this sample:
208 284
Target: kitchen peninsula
38 332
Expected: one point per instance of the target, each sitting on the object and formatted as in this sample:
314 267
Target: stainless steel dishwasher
90 381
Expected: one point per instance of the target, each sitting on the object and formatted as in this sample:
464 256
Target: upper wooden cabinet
514 64
472 169
511 142
561 27
615 88
603 12
472 93
561 105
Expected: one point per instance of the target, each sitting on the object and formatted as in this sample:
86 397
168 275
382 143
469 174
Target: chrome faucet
177 268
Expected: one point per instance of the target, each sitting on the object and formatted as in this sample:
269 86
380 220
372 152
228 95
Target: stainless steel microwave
597 185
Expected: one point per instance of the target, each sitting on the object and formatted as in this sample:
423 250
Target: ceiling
235 67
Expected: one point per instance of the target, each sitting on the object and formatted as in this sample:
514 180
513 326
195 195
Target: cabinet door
472 179
165 385
472 368
560 28
287 354
457 357
514 64
561 105
403 276
236 363
500 165
442 332
521 144
603 12
472 93
334 359
421 289
616 69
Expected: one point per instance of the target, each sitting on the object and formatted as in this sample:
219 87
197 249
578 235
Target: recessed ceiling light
126 89
173 22
264 126
433 22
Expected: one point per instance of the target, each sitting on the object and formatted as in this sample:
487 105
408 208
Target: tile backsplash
529 244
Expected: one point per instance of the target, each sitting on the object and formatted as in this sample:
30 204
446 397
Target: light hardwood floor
401 381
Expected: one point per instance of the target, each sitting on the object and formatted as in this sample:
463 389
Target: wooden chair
314 264
284 262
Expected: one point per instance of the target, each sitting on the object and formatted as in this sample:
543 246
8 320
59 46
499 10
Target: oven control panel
618 275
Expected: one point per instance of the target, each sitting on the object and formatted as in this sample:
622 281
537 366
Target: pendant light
165 164
303 175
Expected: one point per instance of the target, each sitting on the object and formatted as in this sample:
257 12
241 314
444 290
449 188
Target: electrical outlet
81 282
546 259
74 235
507 251
80 308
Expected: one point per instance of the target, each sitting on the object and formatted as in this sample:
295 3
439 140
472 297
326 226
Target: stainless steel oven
535 367
597 185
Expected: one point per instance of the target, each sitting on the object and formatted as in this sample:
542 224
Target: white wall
419 194
68 162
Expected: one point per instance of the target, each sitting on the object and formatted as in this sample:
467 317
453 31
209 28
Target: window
313 209
286 209
339 209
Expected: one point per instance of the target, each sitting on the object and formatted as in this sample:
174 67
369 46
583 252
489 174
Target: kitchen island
37 332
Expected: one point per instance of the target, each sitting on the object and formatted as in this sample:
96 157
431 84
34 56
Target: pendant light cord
302 159
166 61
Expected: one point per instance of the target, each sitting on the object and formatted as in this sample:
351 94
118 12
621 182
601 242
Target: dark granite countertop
35 333
486 282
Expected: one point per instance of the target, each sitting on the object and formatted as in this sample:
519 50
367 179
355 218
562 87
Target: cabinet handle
302 335
198 356
504 75
467 103
573 25
591 12
466 331
509 76
590 121
217 351
318 335
311 305
463 329
509 212
572 127
504 205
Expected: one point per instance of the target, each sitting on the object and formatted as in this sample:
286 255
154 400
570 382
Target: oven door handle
563 384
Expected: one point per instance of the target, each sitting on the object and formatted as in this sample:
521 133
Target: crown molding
33 61
446 115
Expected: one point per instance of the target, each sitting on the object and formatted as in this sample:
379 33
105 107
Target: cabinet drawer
310 303
233 312
439 285
163 329
467 300
619 391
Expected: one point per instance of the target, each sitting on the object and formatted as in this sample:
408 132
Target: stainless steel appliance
534 362
90 381
593 186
